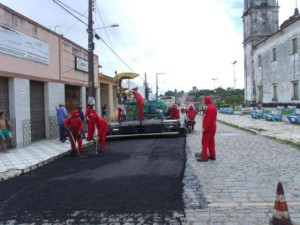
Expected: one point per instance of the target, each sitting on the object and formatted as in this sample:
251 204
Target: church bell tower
260 19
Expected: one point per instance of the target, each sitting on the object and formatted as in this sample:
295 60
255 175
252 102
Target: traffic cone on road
281 214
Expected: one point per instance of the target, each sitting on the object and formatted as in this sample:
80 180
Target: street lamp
234 80
157 84
91 47
214 80
113 25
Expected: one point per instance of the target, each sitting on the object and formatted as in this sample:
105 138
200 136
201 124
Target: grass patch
236 126
287 142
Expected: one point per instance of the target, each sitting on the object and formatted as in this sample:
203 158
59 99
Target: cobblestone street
240 186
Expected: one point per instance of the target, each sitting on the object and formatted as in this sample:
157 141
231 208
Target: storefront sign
81 64
15 43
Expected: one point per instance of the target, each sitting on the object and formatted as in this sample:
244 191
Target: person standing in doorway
104 111
209 127
89 118
61 114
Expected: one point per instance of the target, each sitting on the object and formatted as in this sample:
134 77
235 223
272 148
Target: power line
69 12
116 54
72 9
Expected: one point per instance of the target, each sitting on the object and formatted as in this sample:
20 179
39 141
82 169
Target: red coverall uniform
174 112
102 128
89 116
140 104
209 127
191 113
74 123
120 114
182 110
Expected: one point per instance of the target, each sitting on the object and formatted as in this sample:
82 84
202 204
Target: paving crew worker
182 110
209 127
102 128
174 112
191 114
89 118
74 123
139 103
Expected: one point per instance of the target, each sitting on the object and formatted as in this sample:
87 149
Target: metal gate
4 102
37 110
72 97
4 105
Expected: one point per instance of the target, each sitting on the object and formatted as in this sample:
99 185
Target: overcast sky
190 41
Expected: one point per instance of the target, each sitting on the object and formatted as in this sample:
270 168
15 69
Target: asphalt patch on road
133 177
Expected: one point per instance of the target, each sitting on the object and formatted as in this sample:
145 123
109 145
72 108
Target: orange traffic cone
281 214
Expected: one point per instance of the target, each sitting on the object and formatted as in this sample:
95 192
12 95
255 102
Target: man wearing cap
89 118
74 124
139 103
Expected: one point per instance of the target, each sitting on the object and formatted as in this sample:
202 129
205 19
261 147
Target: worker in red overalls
121 115
174 112
182 110
191 115
74 123
139 103
209 127
89 118
102 128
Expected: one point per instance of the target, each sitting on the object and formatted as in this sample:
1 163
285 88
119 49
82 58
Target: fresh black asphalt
142 176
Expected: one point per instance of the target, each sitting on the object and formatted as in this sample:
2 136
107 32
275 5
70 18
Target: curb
17 172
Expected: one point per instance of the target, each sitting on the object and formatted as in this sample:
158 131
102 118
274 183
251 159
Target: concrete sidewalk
22 160
278 130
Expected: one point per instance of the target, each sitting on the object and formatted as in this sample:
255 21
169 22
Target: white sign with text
21 45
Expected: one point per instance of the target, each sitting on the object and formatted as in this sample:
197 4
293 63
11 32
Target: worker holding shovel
102 127
74 123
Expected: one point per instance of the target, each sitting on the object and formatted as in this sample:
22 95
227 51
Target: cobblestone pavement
240 186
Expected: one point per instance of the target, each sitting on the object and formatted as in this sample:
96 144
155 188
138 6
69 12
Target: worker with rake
74 124
102 128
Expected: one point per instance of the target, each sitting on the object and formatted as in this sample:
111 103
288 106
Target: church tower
260 19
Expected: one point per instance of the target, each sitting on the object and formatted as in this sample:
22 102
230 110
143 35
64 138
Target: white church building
271 54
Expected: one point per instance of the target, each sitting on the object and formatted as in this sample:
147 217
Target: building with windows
271 55
39 70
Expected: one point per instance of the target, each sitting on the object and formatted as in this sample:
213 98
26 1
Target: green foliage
221 97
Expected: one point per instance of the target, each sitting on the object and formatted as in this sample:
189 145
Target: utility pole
157 84
214 80
234 80
91 46
146 88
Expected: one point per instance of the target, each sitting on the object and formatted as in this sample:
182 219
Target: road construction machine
156 121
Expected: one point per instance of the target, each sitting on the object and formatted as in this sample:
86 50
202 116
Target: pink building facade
39 69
